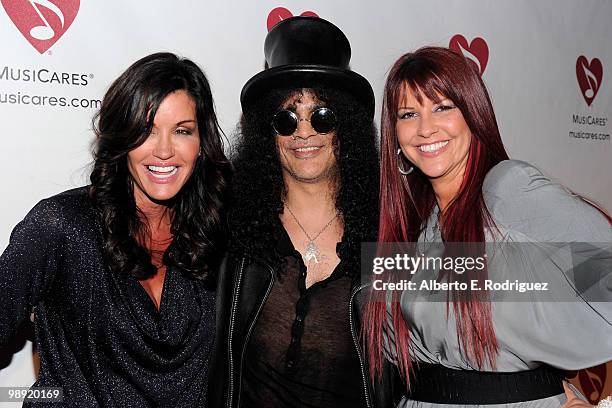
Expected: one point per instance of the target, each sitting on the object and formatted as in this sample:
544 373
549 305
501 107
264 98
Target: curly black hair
258 186
124 122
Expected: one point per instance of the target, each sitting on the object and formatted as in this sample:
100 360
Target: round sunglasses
322 120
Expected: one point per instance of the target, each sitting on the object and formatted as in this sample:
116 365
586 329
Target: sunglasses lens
284 123
323 120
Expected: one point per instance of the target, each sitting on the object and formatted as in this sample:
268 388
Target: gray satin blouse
564 330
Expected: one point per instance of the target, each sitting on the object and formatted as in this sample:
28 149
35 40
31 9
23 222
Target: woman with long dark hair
119 275
446 179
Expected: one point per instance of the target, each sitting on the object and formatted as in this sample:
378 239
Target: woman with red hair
446 178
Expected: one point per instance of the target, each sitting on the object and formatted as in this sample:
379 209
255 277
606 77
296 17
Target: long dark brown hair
406 202
123 123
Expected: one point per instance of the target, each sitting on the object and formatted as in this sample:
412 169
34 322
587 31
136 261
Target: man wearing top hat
305 197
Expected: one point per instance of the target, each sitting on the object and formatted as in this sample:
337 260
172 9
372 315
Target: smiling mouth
428 148
162 172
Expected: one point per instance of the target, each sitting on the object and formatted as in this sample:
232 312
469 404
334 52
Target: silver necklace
311 253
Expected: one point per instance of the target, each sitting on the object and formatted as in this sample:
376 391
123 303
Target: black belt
441 385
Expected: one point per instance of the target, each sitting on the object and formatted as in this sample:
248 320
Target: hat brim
307 76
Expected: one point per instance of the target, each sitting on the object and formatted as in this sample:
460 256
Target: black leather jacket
244 285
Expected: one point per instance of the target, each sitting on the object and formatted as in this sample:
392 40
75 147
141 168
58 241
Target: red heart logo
593 380
589 77
42 22
477 51
280 13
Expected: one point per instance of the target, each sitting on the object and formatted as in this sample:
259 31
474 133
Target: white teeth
168 171
433 147
307 149
160 169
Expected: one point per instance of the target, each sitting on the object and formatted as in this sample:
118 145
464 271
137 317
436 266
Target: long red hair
406 202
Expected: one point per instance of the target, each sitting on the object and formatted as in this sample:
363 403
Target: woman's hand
572 400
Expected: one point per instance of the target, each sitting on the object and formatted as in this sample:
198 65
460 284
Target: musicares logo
477 51
280 13
589 77
42 22
592 380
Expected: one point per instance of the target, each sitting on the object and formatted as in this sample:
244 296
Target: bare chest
319 255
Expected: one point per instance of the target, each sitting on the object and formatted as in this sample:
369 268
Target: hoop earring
399 166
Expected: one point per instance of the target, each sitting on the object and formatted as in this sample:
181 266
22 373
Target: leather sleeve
219 374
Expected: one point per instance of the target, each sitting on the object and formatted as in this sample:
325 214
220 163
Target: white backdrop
553 107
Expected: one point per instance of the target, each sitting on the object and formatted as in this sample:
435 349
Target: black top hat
303 52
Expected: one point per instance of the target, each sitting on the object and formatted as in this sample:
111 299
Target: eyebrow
180 123
435 103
